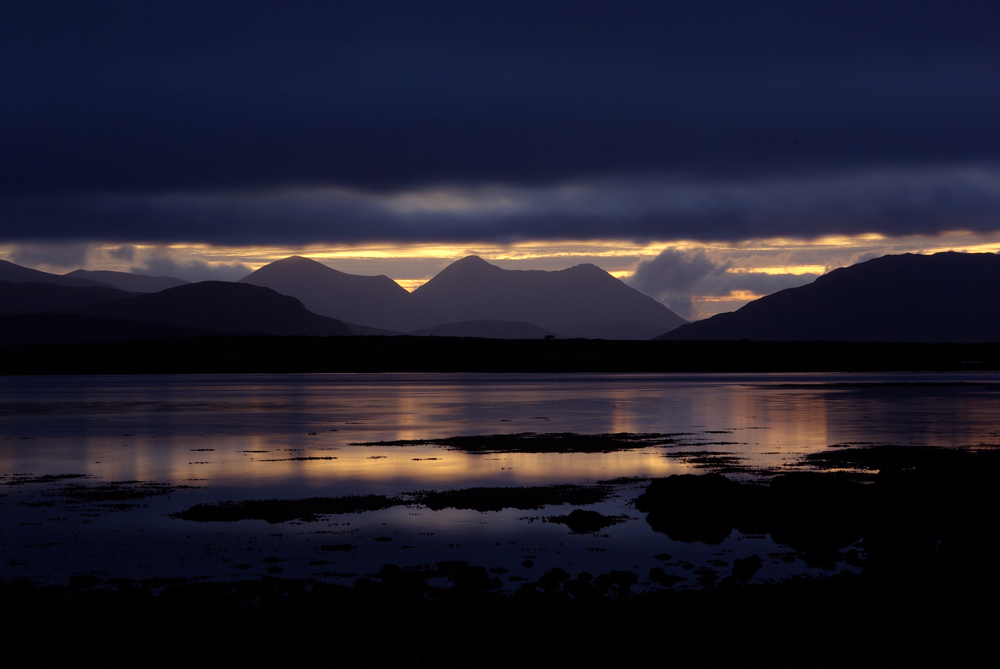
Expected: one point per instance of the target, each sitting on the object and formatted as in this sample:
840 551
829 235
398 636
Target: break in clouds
892 202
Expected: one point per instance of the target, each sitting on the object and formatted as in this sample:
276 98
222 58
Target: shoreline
892 620
376 354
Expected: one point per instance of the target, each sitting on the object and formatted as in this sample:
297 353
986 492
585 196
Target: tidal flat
620 507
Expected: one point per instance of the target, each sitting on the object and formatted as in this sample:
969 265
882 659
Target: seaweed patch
496 499
586 522
532 442
285 510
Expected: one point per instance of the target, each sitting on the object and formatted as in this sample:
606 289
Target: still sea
95 469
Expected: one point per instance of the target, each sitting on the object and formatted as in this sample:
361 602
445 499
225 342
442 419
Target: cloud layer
890 202
226 123
161 262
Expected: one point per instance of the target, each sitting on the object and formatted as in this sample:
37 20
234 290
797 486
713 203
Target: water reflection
136 427
292 436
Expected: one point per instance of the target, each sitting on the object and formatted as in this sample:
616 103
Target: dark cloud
125 252
890 202
111 99
161 263
672 276
52 256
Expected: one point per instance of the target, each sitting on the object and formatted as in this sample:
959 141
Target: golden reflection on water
437 467
426 465
183 428
780 425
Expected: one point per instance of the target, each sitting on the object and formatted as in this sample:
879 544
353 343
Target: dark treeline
450 354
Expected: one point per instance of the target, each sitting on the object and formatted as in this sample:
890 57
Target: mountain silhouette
17 274
221 306
486 330
132 283
374 301
33 297
472 289
579 301
945 297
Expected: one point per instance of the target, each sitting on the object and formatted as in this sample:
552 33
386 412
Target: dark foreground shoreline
901 620
923 521
453 354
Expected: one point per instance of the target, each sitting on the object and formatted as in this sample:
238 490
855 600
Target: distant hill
133 283
374 301
221 306
945 297
472 289
486 330
34 297
74 328
17 274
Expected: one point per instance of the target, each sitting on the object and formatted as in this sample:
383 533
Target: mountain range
579 301
945 297
298 296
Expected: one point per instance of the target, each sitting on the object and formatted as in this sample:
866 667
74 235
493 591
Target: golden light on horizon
411 284
412 264
786 269
733 296
574 250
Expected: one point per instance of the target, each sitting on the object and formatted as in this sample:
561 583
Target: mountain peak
586 269
472 263
297 260
455 275
471 289
294 264
375 301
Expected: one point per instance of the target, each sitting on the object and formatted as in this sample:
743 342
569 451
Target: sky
706 153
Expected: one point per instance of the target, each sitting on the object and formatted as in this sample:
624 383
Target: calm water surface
227 438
